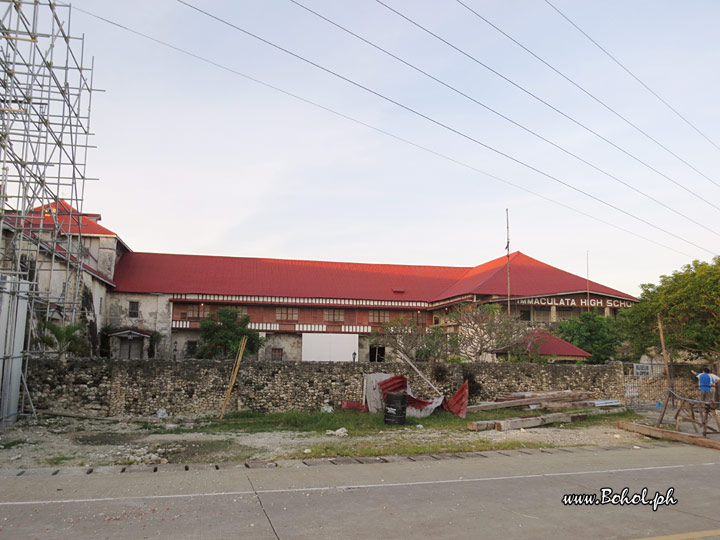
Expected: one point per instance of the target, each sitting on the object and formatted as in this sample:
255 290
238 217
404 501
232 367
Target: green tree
439 345
410 341
688 302
593 333
220 334
485 328
64 339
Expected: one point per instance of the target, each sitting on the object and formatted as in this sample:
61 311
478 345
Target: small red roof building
547 345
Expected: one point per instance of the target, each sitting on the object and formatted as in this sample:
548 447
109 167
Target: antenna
507 248
587 278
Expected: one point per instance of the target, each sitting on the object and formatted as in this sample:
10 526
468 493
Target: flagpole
587 278
507 248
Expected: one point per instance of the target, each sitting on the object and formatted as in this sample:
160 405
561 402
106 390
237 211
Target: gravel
58 441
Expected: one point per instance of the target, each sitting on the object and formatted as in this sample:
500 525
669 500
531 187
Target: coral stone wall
194 388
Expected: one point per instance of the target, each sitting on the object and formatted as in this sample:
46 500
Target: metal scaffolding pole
45 98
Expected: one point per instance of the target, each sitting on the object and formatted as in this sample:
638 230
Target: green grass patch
360 424
408 448
10 444
57 460
356 423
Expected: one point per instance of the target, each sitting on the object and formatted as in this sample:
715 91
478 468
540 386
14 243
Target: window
197 311
379 316
377 354
286 314
276 354
419 318
191 348
436 320
334 315
542 313
134 309
524 314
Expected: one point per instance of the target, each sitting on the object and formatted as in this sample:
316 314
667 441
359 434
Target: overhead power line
588 93
627 70
546 103
503 116
376 129
440 124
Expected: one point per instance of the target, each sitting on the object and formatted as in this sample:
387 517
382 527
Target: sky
195 158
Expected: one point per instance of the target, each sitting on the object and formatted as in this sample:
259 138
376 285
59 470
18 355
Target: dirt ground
67 442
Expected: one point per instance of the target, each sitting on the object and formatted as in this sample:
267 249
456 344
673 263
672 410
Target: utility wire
547 104
437 122
708 139
374 128
501 115
589 94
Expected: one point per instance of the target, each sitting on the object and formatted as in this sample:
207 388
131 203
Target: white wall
329 347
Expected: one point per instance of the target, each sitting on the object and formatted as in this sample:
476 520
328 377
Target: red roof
183 274
68 219
195 274
528 277
550 345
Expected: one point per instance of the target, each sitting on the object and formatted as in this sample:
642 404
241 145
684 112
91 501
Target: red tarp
456 404
353 406
459 402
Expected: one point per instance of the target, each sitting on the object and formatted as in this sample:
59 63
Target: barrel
395 408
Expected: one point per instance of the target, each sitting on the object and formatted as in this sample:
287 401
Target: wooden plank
608 411
522 402
482 425
236 368
568 394
600 403
504 404
659 433
557 405
532 421
662 413
606 403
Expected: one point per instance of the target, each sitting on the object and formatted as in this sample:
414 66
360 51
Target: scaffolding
45 98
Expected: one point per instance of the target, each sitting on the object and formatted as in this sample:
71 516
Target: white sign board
329 347
644 370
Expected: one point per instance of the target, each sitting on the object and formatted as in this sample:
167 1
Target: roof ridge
512 256
274 259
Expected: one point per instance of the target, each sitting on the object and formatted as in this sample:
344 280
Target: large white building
151 304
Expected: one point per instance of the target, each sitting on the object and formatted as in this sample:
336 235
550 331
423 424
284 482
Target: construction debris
521 399
599 403
378 385
534 421
575 394
659 433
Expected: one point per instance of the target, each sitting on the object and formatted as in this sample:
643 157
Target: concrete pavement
510 494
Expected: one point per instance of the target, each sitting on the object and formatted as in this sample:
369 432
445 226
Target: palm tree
63 339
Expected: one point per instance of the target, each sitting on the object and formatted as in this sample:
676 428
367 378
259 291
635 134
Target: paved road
509 494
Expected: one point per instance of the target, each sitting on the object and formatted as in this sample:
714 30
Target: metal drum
395 408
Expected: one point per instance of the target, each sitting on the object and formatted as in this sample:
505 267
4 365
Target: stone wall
196 388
